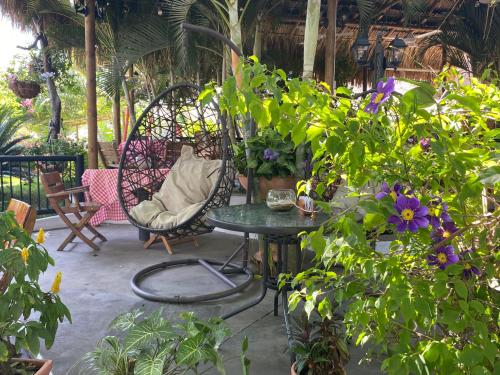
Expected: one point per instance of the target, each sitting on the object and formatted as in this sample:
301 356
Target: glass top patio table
258 218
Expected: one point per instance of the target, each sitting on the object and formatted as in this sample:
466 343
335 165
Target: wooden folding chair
25 216
83 211
109 154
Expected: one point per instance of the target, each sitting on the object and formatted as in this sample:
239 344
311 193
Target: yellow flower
25 254
40 238
56 284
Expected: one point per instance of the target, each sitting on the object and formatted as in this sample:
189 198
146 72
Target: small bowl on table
280 199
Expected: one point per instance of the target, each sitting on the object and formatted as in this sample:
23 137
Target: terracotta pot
44 365
275 183
243 181
265 185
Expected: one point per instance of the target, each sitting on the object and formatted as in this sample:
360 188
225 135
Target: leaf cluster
28 314
419 318
153 345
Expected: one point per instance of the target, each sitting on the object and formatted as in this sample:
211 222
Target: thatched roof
284 35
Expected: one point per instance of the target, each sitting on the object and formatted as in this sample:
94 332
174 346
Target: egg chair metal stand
174 119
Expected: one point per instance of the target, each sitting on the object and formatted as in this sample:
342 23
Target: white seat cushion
184 191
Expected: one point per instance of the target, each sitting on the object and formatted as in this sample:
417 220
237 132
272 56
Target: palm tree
470 38
9 124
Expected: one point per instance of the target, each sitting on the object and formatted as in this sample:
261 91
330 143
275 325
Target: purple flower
411 216
385 191
425 143
469 268
269 154
444 232
382 94
438 213
444 256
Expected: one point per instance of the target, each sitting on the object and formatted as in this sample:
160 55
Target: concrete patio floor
96 288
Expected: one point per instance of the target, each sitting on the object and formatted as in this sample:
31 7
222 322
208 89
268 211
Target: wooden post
331 50
91 83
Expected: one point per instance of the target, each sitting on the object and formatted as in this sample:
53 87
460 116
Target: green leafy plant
271 155
430 303
9 125
319 346
240 159
28 314
60 146
153 345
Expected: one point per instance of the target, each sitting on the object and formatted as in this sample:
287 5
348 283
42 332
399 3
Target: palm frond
9 125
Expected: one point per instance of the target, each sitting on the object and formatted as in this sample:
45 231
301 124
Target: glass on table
280 199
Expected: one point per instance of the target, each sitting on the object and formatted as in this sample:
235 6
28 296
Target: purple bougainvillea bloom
444 232
444 256
425 143
270 154
412 215
385 191
380 96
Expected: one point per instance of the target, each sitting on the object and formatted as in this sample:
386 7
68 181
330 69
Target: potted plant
273 159
318 344
28 314
153 345
24 89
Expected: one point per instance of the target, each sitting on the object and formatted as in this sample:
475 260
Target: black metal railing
20 178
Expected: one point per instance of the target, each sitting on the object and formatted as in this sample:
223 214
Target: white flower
47 75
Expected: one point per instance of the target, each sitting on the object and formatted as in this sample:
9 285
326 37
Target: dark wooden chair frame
83 211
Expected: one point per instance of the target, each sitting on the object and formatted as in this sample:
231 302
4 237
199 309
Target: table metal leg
265 277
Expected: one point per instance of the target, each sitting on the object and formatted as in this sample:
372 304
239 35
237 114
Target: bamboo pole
91 84
331 48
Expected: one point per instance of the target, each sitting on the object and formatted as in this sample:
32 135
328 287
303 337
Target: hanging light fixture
395 52
80 7
100 8
360 50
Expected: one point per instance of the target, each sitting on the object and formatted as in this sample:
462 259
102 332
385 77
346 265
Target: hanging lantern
100 8
360 50
80 7
395 52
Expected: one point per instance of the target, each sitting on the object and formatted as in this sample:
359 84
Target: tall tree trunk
331 44
235 31
132 91
311 36
310 44
117 132
55 100
257 42
224 65
130 104
91 84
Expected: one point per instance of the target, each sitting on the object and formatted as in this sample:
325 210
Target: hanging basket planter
24 89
